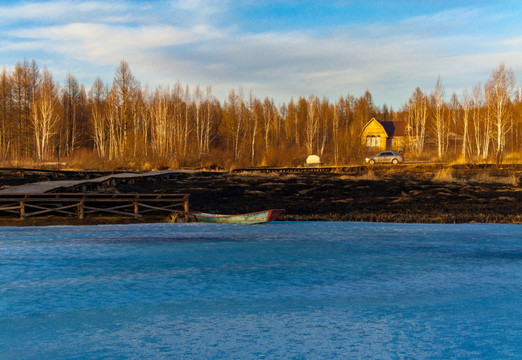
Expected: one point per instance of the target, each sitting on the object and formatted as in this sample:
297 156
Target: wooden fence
81 204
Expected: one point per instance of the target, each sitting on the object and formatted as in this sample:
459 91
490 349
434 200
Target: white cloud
515 41
58 10
185 43
108 43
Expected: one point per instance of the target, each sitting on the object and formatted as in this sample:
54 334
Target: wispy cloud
61 10
106 43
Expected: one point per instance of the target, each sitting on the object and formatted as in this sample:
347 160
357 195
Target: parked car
386 157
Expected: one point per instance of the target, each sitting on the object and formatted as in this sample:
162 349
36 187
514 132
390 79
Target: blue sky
280 49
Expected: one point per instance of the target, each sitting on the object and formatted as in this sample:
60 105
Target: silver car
386 157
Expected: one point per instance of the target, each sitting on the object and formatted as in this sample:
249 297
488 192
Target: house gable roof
392 128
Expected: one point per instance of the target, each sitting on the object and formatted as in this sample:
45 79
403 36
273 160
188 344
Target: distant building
383 135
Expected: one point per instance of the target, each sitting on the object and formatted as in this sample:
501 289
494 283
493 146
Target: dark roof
394 128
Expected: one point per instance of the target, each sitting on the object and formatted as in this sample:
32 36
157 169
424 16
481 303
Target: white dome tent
313 160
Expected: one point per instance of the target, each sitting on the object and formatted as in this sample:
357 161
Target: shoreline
393 194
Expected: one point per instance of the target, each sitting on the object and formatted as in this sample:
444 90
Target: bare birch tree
113 124
186 120
124 86
312 122
336 120
324 119
208 121
159 126
453 127
6 105
233 128
71 100
239 105
439 121
290 123
417 115
465 126
269 120
517 122
479 124
45 113
98 96
254 106
177 114
499 91
25 82
347 144
139 122
199 123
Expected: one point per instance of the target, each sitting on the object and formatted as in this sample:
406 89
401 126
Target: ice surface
280 290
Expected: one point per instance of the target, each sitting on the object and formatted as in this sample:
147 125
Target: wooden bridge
81 204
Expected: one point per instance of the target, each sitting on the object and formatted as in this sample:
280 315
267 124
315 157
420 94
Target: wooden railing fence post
81 210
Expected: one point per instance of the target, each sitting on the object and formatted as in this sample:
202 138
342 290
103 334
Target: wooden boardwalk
69 198
86 184
306 169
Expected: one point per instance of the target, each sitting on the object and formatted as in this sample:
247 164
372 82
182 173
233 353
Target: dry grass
22 163
487 178
370 176
459 161
507 159
258 174
174 218
141 167
446 175
289 176
513 158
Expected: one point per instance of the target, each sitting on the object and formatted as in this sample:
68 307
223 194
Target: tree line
123 124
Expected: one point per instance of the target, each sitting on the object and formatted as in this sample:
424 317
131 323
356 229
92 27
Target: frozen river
306 290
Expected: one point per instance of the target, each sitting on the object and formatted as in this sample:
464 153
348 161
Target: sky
275 49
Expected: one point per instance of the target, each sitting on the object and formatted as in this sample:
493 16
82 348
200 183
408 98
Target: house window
373 141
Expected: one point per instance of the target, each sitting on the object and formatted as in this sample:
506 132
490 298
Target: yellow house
382 135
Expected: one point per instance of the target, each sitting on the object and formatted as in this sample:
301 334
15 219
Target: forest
124 125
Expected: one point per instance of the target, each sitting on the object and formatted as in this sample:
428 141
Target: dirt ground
402 194
376 196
